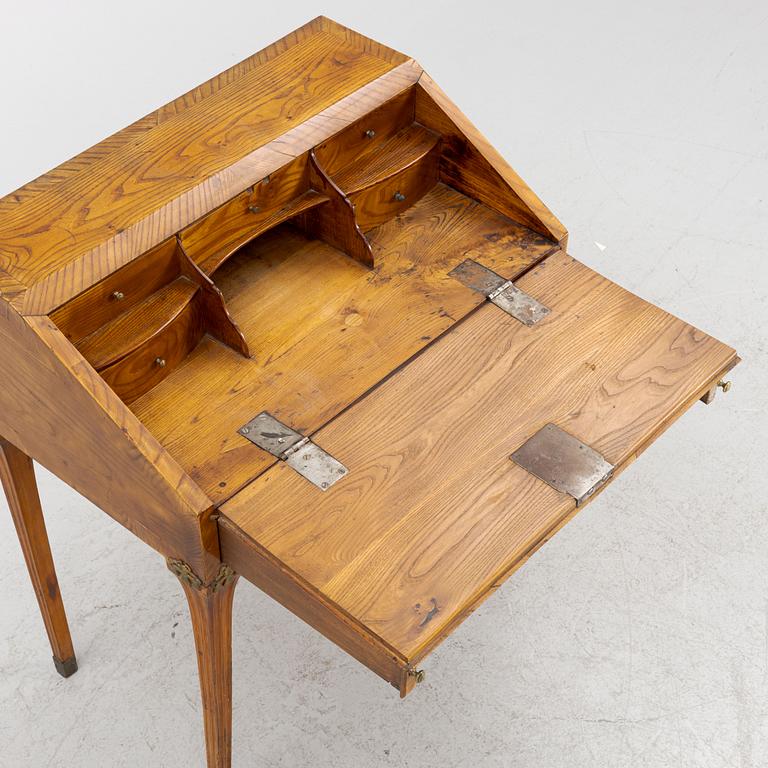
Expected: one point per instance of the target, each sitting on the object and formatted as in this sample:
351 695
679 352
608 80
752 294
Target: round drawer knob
160 362
399 196
370 133
118 295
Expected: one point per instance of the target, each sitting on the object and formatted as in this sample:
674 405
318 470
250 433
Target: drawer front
379 203
148 365
119 292
210 241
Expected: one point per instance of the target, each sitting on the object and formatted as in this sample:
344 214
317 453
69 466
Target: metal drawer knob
370 133
160 362
118 295
399 196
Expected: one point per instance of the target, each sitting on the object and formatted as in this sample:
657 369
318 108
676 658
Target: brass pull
417 674
399 196
160 362
724 385
118 296
370 133
254 209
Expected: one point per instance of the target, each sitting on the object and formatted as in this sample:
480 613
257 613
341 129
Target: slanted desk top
306 326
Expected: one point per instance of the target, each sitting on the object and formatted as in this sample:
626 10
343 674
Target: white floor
639 636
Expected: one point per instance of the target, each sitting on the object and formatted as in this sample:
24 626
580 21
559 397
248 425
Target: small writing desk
305 326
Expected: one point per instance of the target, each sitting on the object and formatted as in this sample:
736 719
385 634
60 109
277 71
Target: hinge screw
370 133
399 196
724 385
118 295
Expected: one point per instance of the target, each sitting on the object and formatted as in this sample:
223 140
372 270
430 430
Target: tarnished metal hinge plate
298 451
564 462
503 293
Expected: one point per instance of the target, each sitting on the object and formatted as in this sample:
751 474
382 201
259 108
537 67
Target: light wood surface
433 513
324 329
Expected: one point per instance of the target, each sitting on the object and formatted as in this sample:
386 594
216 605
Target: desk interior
323 329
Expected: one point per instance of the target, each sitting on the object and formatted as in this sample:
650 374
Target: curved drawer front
148 365
119 292
384 200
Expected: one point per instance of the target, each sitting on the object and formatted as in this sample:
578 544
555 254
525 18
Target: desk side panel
56 408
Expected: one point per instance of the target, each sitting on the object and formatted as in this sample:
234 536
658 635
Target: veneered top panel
74 225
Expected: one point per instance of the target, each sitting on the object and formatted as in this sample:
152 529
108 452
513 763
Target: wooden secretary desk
305 326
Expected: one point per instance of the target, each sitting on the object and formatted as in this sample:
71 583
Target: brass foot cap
65 668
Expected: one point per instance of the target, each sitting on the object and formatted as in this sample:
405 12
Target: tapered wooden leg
18 478
210 606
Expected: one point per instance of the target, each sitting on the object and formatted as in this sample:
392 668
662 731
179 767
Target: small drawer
384 200
118 293
148 364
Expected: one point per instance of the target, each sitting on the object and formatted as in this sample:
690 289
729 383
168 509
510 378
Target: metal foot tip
65 668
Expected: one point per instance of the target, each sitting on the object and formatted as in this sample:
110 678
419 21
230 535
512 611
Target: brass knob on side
418 675
118 296
399 196
370 133
724 385
160 362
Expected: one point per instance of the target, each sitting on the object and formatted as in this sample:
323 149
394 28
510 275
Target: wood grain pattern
274 199
398 191
407 556
368 134
406 148
281 584
474 167
336 222
248 133
85 425
73 166
158 354
350 328
17 476
137 280
134 328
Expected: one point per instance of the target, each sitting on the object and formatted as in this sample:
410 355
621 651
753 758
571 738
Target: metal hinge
296 450
564 462
501 292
